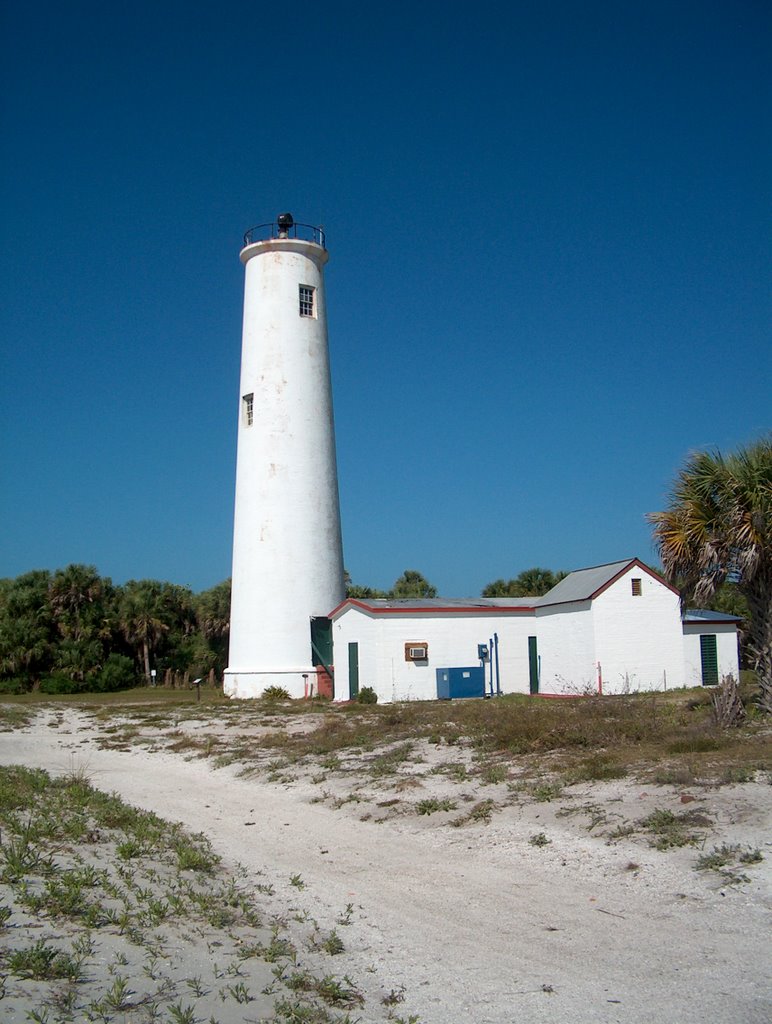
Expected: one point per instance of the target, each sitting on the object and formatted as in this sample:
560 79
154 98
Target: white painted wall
638 640
726 650
566 648
287 552
452 640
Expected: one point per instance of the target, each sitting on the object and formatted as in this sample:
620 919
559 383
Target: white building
614 628
287 553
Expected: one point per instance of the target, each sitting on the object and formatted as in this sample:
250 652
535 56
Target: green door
321 655
353 670
321 641
533 664
709 659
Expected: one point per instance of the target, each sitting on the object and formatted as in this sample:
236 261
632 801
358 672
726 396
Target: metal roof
706 615
582 584
440 604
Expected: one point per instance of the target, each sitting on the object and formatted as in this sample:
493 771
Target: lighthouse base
247 685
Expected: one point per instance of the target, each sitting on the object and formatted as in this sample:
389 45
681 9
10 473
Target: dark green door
709 659
321 641
533 664
353 670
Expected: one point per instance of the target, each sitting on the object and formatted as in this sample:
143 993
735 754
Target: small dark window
249 409
306 296
637 591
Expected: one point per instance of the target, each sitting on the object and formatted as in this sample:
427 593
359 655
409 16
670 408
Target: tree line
75 630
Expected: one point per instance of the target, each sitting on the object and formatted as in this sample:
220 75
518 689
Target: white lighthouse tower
287 552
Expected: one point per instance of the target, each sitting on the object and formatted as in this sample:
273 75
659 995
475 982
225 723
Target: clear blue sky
549 236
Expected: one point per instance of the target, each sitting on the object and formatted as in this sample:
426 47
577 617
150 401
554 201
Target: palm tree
718 527
141 617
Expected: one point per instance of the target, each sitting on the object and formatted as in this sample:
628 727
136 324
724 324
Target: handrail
306 232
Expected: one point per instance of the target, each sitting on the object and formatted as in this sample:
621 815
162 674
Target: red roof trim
633 562
640 565
433 609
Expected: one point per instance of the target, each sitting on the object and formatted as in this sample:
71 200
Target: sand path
477 928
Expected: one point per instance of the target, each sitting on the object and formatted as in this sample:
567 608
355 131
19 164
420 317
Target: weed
494 774
129 849
721 856
240 992
454 769
333 944
482 811
117 996
544 792
339 991
43 962
539 839
180 1014
274 693
196 986
297 881
736 775
595 768
683 776
345 917
431 805
672 830
696 744
394 997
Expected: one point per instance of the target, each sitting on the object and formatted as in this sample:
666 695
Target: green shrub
15 684
367 695
275 693
117 674
61 684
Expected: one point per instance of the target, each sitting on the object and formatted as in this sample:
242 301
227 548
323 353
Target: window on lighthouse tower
249 409
306 300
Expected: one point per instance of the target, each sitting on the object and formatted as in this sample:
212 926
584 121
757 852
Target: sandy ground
479 924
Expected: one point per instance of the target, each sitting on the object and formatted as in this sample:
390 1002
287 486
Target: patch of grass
494 774
480 813
545 792
43 962
726 854
432 805
539 839
453 769
595 768
679 776
389 762
696 744
669 830
168 881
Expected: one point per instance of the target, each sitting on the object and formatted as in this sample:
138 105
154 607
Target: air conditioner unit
416 651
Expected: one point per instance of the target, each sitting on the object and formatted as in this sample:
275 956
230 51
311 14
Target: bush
275 693
117 674
61 684
367 695
15 684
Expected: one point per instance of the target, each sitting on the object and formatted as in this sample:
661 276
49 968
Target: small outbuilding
615 628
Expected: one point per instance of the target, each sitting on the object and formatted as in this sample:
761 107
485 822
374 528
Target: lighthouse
287 551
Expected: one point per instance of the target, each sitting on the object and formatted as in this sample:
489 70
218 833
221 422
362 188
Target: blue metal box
453 683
